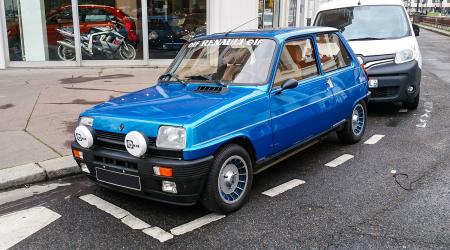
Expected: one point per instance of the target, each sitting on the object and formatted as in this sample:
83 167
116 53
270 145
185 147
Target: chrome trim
377 63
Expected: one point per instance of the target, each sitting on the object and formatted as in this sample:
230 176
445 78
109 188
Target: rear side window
332 52
297 61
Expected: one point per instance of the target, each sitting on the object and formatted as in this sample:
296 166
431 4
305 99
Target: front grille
384 92
131 166
116 141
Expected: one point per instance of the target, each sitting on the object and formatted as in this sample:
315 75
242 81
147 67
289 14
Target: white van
381 34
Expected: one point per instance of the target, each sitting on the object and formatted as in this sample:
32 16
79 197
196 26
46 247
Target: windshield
367 22
243 61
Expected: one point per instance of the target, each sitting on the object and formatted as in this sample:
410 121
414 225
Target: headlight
86 121
171 137
404 55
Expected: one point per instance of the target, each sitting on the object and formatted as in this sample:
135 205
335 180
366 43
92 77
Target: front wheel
127 52
354 127
412 104
229 181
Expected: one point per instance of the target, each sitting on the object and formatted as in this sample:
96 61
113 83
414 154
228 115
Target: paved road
357 204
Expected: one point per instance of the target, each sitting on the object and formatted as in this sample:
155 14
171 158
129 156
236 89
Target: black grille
116 163
117 141
208 89
384 92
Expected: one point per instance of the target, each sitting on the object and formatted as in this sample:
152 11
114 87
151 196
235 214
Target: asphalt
357 205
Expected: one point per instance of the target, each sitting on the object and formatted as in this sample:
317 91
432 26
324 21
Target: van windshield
367 22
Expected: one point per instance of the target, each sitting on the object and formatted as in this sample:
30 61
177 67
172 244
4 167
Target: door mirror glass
289 84
416 29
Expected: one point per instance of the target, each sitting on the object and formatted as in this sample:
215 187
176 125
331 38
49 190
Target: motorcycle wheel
127 52
66 54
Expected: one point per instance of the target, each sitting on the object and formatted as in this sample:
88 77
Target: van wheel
355 126
229 181
413 104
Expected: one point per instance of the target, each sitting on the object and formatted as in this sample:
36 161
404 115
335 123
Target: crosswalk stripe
338 161
17 226
105 206
283 187
197 223
158 234
374 139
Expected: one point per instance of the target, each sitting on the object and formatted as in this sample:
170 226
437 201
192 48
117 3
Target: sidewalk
39 109
430 28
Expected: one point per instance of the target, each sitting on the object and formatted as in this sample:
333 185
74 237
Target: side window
332 52
297 61
96 15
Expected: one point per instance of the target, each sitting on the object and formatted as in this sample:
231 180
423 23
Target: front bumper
189 176
393 81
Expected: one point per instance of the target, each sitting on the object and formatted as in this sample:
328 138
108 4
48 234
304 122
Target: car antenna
228 32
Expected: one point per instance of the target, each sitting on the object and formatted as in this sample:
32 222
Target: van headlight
404 55
86 121
170 137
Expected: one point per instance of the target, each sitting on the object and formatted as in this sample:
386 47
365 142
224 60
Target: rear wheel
65 54
354 127
229 181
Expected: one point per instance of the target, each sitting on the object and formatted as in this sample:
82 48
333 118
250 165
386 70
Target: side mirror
416 29
288 84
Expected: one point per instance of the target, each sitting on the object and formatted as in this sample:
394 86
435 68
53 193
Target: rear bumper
189 176
393 81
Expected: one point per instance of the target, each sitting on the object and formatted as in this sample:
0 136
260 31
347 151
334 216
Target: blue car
229 106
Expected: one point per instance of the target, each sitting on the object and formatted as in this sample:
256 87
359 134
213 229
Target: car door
301 113
339 70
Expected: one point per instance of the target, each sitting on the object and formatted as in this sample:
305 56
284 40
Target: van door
339 71
300 113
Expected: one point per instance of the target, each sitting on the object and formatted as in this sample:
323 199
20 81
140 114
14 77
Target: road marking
403 110
158 234
338 161
127 218
374 139
393 171
197 223
21 193
18 226
283 187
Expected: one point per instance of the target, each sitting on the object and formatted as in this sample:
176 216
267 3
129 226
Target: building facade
71 33
429 6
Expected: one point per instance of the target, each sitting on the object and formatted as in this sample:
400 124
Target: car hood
381 47
163 104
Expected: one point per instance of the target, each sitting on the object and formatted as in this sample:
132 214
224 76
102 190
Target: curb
442 32
37 172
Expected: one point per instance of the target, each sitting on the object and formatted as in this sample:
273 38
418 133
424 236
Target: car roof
275 33
336 4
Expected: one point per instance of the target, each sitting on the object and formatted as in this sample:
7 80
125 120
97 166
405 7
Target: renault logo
121 127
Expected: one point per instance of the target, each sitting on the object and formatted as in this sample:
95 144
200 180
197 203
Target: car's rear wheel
229 181
354 127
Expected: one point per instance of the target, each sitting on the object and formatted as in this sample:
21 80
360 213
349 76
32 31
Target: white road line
374 139
338 161
403 110
18 226
17 194
127 218
158 234
197 223
283 187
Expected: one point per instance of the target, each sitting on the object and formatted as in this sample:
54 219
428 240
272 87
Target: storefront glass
32 27
171 23
292 18
110 29
266 10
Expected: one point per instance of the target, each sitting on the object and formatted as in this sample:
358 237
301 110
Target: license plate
373 83
118 179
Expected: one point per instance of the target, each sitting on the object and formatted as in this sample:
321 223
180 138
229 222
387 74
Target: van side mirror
288 84
416 29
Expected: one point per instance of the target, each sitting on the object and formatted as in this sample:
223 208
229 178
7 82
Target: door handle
330 83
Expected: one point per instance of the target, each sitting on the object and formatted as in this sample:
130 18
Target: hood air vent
209 90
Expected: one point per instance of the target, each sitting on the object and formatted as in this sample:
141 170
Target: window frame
350 56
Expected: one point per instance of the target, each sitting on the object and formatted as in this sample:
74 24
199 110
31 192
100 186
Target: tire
225 191
65 54
354 127
127 52
413 104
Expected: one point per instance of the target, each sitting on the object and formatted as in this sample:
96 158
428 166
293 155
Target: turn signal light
365 70
163 171
77 154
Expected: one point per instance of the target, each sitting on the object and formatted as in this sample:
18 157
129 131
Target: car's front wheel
229 181
354 127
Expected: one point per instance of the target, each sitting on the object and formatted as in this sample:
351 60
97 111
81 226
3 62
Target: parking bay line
195 224
283 187
338 161
374 139
127 218
17 226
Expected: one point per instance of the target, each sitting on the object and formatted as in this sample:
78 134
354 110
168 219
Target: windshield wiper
175 76
365 39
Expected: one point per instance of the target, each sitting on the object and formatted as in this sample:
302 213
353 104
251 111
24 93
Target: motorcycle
105 42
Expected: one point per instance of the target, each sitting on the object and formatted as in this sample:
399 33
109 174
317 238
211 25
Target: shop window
172 23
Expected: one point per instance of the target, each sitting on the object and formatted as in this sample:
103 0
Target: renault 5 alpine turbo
229 106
